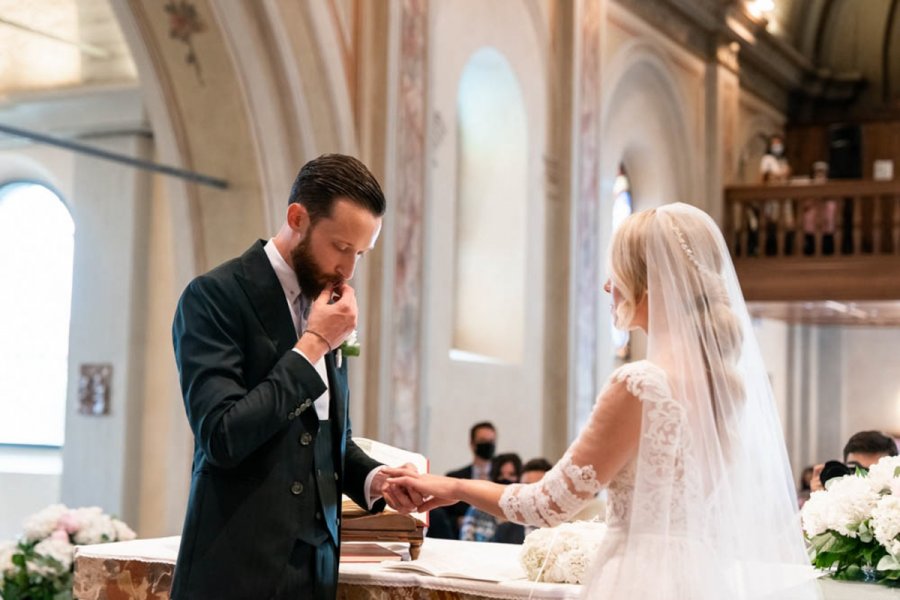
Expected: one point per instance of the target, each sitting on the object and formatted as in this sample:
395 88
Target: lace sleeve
606 444
559 495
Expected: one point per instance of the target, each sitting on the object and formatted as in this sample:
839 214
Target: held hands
427 491
329 322
400 498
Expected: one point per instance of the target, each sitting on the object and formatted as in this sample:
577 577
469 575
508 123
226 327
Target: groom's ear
298 218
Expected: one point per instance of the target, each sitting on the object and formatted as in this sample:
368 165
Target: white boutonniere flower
350 347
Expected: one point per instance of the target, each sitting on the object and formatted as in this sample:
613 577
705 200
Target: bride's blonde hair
628 265
703 262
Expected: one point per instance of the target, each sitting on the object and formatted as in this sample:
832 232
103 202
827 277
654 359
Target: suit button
339 521
305 439
318 516
291 416
335 476
296 488
307 403
297 412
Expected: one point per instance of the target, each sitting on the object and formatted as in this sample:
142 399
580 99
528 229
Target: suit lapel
266 296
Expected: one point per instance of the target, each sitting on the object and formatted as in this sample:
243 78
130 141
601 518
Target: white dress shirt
291 287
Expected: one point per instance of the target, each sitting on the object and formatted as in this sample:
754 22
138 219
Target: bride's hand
437 491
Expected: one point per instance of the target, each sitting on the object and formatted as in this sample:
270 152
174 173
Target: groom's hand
401 498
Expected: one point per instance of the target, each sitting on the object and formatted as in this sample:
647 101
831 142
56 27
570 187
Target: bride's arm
605 445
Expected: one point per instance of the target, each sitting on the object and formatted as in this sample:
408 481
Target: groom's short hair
480 425
323 180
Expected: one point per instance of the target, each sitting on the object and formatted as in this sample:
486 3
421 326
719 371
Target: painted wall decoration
184 22
411 151
93 389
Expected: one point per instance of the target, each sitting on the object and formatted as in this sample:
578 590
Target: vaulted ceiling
845 39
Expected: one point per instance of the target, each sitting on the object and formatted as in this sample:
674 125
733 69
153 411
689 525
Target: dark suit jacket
248 399
457 511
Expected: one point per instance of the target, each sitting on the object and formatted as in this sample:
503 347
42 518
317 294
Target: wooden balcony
832 241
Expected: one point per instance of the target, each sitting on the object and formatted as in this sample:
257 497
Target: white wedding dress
701 503
568 486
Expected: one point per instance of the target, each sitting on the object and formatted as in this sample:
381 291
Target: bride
701 503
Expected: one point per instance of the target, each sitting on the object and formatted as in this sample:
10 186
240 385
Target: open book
368 552
483 561
392 457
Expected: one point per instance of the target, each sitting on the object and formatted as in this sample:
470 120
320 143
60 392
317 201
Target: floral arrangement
853 526
40 565
561 554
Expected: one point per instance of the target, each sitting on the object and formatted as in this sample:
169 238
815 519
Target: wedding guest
863 449
478 525
514 533
696 510
805 486
775 169
446 521
819 214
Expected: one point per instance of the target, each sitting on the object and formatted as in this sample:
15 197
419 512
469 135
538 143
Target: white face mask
777 149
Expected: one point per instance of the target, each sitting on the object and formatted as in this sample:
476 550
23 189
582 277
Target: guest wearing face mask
446 521
477 525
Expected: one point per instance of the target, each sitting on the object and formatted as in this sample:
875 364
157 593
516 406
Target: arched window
491 211
36 246
621 208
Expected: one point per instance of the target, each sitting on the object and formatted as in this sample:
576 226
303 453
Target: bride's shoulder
643 380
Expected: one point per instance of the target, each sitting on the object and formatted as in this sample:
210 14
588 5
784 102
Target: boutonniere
350 347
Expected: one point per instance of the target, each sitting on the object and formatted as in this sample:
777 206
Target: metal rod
146 165
89 49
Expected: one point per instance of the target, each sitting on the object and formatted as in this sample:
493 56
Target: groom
255 342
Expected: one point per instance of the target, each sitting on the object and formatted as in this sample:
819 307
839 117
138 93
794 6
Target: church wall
34 473
109 205
871 380
460 390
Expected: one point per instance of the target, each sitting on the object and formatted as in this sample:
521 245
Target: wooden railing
833 218
834 240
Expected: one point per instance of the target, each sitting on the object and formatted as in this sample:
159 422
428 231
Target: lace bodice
578 476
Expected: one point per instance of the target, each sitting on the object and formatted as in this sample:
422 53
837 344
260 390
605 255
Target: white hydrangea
7 549
883 474
94 526
886 524
59 550
41 524
561 554
842 508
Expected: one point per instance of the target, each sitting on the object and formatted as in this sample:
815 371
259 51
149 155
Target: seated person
863 450
805 486
445 521
513 533
477 525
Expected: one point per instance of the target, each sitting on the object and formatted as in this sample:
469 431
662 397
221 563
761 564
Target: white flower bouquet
853 526
39 566
561 554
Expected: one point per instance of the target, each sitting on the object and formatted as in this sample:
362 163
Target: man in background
863 450
446 521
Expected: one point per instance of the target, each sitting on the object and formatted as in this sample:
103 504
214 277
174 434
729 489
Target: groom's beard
309 275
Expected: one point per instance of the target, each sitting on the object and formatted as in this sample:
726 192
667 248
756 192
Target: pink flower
60 534
70 522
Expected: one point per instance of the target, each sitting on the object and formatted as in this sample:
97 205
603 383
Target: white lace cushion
554 499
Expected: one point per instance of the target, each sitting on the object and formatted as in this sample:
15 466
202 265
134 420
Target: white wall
100 461
459 391
871 380
30 478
